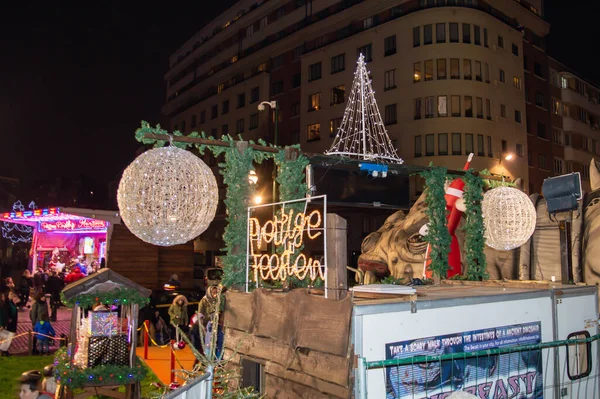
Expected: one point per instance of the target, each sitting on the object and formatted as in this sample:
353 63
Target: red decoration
181 345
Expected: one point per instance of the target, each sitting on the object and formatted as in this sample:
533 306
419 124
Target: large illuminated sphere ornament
509 218
167 196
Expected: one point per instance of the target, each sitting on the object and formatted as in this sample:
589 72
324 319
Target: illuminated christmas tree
362 133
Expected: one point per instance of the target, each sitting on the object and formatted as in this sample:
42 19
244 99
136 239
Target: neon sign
287 232
73 225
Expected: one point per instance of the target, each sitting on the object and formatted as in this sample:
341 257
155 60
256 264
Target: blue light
374 169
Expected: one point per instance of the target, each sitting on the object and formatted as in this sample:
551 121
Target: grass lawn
12 367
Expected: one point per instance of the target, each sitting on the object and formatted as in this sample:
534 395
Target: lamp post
275 107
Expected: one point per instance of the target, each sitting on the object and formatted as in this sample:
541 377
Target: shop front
60 235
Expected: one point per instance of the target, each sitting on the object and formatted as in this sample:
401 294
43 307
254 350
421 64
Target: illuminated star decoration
18 232
362 133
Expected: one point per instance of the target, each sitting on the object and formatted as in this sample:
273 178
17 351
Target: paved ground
20 345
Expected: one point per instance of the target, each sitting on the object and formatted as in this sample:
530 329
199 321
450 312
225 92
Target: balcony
578 155
573 125
570 96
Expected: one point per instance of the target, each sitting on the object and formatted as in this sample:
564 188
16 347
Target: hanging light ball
509 218
167 196
181 344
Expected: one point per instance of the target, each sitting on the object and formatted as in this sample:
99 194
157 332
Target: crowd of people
43 288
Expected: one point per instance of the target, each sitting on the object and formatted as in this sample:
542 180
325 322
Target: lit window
417 72
314 102
313 132
517 83
442 106
334 125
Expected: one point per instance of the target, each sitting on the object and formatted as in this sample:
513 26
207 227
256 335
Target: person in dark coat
10 311
25 286
53 287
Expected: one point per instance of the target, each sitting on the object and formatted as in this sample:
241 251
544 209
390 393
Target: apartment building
575 118
450 76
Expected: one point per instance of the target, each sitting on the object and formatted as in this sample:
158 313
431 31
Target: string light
361 133
15 232
167 196
285 230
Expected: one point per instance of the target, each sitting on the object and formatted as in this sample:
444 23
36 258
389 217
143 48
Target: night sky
76 81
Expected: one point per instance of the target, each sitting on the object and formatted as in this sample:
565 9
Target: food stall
73 231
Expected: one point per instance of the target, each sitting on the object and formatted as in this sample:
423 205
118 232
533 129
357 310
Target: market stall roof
35 216
104 280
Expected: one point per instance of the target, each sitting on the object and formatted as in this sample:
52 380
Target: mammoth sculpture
398 250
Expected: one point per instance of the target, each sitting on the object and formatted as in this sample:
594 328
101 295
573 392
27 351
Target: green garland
438 237
76 377
474 228
119 296
292 185
490 184
235 172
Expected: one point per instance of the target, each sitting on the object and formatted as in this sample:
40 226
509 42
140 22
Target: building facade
575 117
450 76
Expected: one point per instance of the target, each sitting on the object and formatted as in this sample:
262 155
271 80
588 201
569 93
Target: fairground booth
71 231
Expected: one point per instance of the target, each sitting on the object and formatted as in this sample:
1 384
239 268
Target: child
44 331
179 316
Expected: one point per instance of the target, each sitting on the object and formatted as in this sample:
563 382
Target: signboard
510 375
287 227
88 246
73 225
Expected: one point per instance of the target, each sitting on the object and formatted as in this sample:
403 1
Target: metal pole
275 139
362 105
210 370
248 248
146 326
362 378
564 228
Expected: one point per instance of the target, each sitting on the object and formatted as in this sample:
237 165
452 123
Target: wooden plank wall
146 264
178 259
302 341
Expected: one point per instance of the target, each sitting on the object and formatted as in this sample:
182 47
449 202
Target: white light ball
167 196
509 218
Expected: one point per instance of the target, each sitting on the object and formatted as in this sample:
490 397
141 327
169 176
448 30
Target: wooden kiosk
101 355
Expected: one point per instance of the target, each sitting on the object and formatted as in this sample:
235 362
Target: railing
515 371
194 389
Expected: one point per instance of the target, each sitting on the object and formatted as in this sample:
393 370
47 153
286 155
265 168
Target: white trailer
472 333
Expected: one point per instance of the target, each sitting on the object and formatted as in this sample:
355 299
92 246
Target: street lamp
252 177
275 107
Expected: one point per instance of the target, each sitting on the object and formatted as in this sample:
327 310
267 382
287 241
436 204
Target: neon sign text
73 225
285 230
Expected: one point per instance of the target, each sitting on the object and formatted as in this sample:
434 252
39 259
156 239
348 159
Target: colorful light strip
29 214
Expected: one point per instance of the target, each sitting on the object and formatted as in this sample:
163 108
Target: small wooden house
101 354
